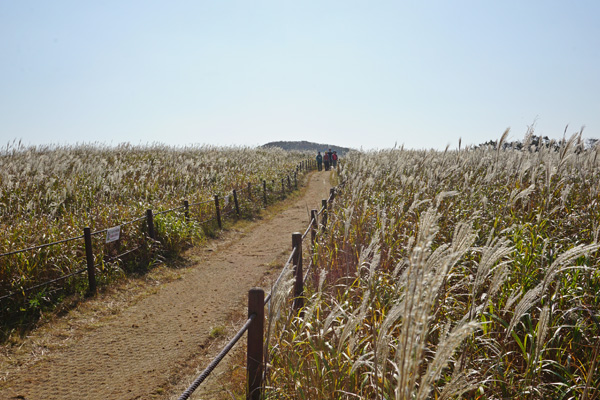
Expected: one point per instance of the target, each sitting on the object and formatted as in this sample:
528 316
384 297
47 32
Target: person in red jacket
334 159
326 160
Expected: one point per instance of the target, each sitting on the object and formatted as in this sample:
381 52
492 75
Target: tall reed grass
459 274
50 193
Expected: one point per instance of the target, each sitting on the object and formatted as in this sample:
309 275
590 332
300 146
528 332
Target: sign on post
113 234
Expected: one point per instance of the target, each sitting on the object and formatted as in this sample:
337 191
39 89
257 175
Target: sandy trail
143 350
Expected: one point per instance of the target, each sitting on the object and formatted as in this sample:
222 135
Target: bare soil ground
147 338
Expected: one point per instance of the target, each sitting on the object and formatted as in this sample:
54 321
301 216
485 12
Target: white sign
113 234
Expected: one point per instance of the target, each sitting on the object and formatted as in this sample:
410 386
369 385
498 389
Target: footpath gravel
143 348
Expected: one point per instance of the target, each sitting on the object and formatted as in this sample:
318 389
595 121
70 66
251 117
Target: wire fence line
119 256
46 283
229 208
200 203
170 210
254 387
102 231
41 246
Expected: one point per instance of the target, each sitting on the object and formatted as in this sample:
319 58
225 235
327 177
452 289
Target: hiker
319 161
326 161
334 158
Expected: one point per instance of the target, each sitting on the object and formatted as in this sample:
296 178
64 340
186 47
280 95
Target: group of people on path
329 158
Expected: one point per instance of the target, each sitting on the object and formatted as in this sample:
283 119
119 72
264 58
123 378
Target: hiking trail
148 338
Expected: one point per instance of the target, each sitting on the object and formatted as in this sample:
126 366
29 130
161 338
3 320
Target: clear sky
351 73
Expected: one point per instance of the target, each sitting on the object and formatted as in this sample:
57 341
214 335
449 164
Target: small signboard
113 234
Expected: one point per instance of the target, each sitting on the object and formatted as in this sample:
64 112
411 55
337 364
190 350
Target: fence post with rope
89 257
218 211
324 217
237 205
186 212
150 221
297 261
254 357
313 227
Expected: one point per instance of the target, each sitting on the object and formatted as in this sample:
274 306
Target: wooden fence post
274 187
254 356
313 227
331 195
265 192
235 201
218 209
150 221
282 189
89 256
324 218
186 207
289 183
296 180
297 261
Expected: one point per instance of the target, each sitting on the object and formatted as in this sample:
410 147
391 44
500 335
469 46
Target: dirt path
144 347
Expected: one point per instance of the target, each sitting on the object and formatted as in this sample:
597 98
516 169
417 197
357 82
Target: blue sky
351 73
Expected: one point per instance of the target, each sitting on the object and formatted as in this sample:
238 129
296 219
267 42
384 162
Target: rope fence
143 234
46 283
206 211
257 354
41 246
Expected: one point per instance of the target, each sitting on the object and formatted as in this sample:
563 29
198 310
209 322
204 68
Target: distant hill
308 146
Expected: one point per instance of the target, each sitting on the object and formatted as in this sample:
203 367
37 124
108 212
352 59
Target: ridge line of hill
307 146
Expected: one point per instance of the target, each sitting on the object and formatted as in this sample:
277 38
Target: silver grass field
50 193
468 273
